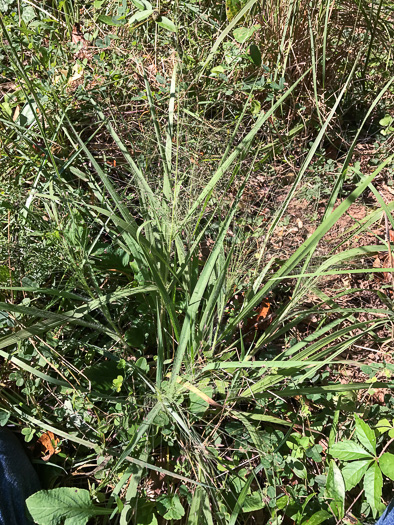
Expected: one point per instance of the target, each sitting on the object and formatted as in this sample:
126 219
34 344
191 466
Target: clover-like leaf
386 120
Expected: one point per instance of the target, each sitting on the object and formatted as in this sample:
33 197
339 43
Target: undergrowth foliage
177 368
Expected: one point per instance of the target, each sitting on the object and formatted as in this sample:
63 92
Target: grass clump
180 369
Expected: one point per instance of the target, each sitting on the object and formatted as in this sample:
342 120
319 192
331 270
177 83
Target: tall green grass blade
307 246
164 152
349 155
243 146
311 153
73 316
335 388
200 513
143 429
198 292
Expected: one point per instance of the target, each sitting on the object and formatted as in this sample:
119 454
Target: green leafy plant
362 462
386 123
63 505
149 317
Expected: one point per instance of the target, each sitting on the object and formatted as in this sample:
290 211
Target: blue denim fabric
18 480
387 518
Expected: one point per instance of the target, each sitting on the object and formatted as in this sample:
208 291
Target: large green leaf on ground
68 505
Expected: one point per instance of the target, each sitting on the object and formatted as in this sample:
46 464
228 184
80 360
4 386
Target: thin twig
350 507
386 447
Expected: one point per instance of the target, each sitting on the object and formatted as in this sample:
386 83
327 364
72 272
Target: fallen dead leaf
264 310
47 445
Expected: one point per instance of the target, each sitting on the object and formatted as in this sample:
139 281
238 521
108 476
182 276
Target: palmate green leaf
68 505
373 484
354 471
335 490
365 435
386 464
348 450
